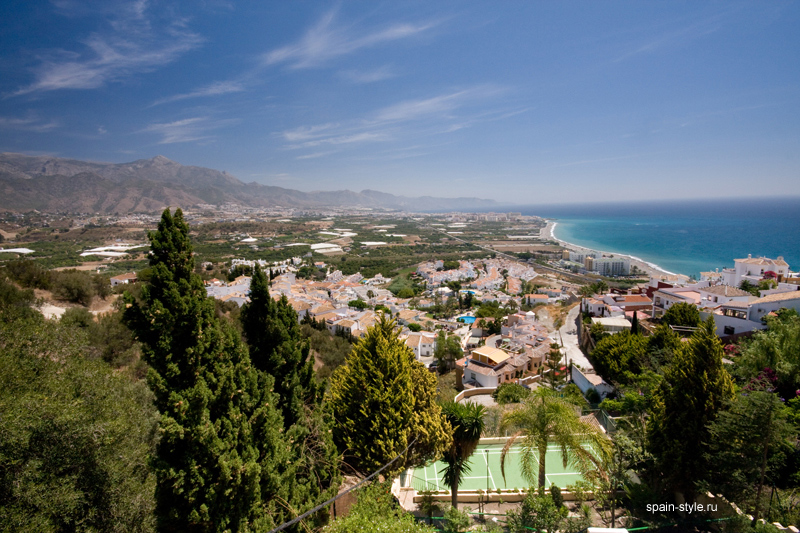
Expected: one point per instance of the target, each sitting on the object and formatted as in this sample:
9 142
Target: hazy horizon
542 103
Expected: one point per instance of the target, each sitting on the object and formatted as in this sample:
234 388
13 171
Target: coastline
652 269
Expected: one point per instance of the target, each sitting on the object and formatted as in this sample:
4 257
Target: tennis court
485 471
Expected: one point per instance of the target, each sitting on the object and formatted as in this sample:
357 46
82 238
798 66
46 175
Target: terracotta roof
634 298
129 275
495 354
480 369
725 290
763 261
779 297
737 305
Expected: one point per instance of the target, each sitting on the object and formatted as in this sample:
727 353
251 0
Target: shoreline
652 269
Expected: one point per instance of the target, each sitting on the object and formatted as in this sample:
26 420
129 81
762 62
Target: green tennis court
485 471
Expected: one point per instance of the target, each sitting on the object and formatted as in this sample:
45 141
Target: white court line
491 477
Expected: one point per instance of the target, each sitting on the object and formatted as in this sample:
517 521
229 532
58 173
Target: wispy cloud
407 119
130 44
187 130
29 123
366 136
592 161
679 36
326 41
370 76
305 133
316 155
215 89
437 105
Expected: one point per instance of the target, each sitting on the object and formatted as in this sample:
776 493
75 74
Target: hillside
148 185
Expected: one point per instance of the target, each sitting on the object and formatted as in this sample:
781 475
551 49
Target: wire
325 504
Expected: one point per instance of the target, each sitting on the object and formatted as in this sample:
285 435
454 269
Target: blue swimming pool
466 319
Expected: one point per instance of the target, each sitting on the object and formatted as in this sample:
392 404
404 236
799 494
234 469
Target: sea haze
686 237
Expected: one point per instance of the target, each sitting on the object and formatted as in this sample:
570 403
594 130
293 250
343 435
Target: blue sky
526 102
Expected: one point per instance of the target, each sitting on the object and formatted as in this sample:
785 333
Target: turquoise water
466 319
685 237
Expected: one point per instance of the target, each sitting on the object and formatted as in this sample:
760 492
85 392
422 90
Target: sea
683 236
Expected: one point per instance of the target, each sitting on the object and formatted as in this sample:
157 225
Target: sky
525 102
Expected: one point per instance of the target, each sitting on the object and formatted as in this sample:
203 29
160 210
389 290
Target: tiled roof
725 290
762 261
779 297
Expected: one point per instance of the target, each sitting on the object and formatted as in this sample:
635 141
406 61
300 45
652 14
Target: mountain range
149 185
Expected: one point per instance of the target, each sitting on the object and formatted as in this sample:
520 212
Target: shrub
555 493
456 521
73 286
510 393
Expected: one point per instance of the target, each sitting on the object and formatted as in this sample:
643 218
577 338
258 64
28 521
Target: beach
653 270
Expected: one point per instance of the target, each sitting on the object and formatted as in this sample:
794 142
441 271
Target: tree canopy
682 314
695 387
466 419
544 417
218 461
384 400
75 436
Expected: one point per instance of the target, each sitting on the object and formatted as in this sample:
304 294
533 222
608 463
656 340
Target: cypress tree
635 323
383 400
694 389
217 460
278 348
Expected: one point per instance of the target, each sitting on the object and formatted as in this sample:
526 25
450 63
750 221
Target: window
472 374
729 330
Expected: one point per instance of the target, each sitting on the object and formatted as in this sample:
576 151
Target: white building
613 324
753 269
423 344
609 266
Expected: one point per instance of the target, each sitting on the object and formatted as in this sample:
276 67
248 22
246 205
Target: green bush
29 274
376 510
74 286
510 393
456 521
555 493
75 436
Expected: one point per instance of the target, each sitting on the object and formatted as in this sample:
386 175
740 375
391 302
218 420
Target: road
569 337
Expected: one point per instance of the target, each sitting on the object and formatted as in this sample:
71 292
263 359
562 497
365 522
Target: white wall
739 325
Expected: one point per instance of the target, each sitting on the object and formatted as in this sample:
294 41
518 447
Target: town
490 304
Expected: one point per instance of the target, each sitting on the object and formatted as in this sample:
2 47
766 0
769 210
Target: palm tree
544 417
585 292
467 422
600 287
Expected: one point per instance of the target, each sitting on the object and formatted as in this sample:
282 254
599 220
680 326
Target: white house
736 317
768 304
663 299
422 343
721 294
123 279
491 367
753 269
613 324
590 381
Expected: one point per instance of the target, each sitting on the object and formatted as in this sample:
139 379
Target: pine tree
694 389
556 373
216 463
277 347
384 400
